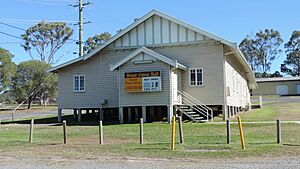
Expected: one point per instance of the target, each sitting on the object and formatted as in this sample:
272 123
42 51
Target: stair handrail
198 102
199 109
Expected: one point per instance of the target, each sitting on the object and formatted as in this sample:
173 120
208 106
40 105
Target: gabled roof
168 17
136 23
276 79
151 53
233 46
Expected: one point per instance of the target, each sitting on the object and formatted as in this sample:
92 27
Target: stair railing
195 107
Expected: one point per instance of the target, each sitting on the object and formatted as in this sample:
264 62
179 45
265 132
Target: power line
12 20
10 42
57 3
12 26
7 34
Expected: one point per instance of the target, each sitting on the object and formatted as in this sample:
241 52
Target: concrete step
194 115
187 109
200 121
191 112
199 118
183 107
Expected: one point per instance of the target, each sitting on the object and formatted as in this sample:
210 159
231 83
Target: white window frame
196 80
79 90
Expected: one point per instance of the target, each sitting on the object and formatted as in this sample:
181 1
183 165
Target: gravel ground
33 113
137 163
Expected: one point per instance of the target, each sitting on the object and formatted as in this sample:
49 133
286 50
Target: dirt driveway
138 163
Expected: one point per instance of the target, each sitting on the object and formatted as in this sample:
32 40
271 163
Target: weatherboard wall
90 98
207 57
237 91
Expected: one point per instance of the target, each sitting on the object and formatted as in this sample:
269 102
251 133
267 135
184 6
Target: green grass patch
206 140
201 141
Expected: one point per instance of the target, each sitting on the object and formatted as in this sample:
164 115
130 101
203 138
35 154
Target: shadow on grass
219 143
152 148
262 143
88 120
292 145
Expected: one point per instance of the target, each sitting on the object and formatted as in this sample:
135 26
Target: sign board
142 81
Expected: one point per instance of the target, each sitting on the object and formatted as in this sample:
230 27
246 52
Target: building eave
55 68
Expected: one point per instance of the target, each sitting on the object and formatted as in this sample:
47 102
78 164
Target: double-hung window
79 83
196 76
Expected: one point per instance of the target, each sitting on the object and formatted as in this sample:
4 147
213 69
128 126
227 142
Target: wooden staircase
195 110
190 113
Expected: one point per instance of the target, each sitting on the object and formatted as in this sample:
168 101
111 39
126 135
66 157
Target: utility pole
80 23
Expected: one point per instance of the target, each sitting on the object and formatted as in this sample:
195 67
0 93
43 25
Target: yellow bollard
173 132
241 132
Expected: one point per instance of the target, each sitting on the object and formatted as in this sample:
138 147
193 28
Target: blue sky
230 19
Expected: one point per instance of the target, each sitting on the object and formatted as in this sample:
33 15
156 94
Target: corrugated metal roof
274 79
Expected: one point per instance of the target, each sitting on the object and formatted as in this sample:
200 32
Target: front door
282 90
298 88
174 77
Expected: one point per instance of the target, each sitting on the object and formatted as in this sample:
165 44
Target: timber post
65 131
59 115
31 130
141 131
180 129
278 131
100 132
228 131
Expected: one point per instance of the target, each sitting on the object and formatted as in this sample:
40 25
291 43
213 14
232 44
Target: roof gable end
151 53
167 30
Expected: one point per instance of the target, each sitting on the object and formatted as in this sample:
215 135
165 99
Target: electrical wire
12 20
12 26
7 34
57 3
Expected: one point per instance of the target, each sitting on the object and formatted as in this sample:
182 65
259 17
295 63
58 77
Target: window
196 77
79 83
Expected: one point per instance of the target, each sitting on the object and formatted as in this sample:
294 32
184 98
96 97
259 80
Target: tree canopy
33 81
247 46
262 49
93 42
45 39
291 65
7 69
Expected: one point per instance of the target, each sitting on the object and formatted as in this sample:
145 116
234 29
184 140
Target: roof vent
119 30
136 19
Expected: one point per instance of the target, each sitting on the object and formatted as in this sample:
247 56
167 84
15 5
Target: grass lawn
201 140
273 111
